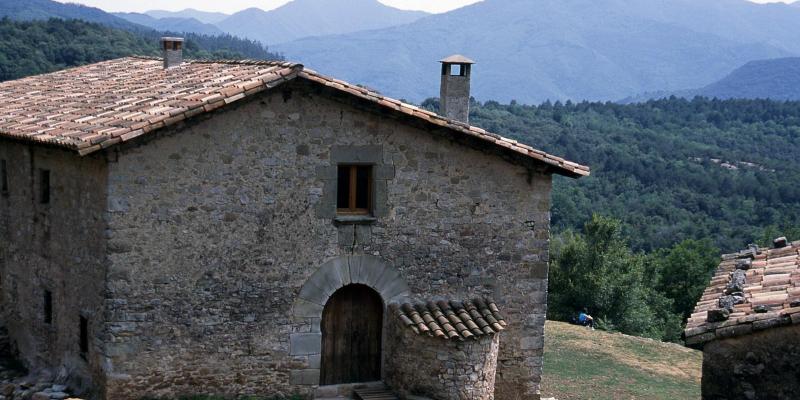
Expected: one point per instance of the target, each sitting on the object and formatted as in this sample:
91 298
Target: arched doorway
352 323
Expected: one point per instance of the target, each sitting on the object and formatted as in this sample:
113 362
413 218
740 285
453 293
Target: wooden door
352 322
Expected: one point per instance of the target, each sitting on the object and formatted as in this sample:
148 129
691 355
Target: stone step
381 392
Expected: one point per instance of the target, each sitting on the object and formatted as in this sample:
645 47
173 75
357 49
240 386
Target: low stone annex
748 325
174 227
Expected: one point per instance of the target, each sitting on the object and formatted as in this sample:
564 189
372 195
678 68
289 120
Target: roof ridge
246 61
107 112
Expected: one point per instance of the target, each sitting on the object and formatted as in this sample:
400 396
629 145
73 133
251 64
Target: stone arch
333 275
342 271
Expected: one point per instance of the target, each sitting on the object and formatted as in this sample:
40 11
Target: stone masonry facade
191 252
763 365
435 368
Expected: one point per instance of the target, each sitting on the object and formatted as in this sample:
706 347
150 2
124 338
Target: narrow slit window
44 186
354 190
48 307
84 336
3 177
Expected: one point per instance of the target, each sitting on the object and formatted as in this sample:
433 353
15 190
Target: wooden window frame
352 195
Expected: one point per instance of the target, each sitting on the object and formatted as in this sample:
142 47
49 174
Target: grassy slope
582 364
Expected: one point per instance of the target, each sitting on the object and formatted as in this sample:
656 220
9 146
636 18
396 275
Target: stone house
238 228
748 325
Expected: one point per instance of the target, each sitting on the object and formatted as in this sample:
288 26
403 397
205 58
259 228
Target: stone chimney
172 51
454 94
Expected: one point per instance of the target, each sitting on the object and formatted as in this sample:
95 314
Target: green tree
684 271
597 270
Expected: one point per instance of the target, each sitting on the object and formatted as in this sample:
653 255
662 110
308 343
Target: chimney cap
171 39
456 59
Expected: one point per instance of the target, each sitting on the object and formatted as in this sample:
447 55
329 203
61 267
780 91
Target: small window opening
84 336
456 70
354 191
44 186
3 177
48 307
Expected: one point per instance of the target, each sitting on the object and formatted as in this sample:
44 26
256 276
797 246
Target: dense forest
35 47
670 170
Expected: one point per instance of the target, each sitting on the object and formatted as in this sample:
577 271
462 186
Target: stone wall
437 368
58 247
759 366
215 226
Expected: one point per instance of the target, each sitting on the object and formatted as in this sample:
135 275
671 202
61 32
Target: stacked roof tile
451 320
769 295
96 106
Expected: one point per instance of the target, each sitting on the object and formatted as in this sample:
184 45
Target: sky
231 6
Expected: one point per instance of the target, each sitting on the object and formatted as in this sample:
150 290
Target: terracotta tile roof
451 320
95 106
756 288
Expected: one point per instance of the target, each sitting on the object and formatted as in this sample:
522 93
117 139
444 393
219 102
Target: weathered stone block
305 344
306 377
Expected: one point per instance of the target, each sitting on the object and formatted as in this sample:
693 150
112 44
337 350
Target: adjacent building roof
96 106
451 320
752 290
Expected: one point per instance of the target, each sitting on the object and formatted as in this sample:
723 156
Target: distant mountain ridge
533 50
26 10
202 16
198 45
775 79
304 18
171 23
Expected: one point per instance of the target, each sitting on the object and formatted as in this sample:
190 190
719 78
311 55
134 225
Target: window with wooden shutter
354 190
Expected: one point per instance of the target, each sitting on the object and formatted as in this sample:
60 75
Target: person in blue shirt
585 319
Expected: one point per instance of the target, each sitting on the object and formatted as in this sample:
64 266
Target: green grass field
584 364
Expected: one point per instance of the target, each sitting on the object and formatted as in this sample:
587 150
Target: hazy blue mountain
776 79
304 18
202 16
26 10
197 45
532 50
171 24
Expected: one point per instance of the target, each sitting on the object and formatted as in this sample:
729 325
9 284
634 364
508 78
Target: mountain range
776 79
173 24
25 10
533 50
202 16
305 18
527 50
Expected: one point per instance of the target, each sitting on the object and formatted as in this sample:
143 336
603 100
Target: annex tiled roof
767 296
93 107
451 320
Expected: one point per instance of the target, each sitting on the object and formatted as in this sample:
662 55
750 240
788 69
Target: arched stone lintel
345 270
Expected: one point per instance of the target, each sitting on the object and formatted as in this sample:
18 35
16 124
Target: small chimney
172 51
454 94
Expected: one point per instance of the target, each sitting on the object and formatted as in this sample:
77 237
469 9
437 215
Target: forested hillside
36 47
670 169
